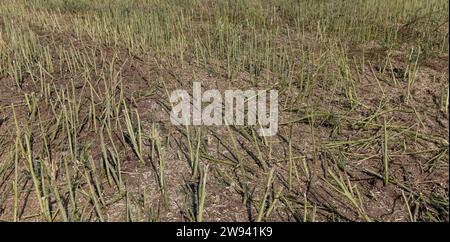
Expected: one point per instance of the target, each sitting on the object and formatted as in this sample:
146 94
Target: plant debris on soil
85 130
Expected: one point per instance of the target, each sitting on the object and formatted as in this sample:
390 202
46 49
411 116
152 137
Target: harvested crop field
85 110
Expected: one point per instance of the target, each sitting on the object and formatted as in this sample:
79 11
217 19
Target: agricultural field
363 114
